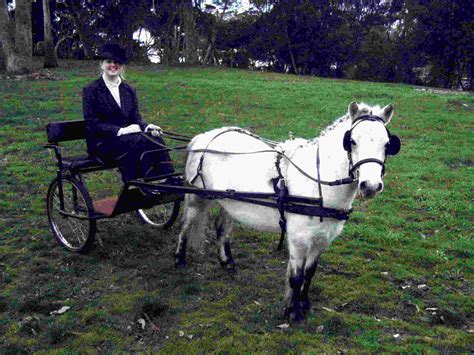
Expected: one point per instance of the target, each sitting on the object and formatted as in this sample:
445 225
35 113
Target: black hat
113 51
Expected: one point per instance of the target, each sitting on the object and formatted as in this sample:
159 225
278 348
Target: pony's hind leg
223 229
192 227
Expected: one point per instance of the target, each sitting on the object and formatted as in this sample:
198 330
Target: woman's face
111 67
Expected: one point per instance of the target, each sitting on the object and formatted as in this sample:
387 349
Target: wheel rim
158 216
70 231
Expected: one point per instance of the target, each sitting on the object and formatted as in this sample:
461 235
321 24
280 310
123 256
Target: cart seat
79 163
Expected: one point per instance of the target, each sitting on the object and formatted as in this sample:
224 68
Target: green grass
418 232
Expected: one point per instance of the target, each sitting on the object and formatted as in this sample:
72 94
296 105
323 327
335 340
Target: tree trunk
16 37
290 51
50 60
189 27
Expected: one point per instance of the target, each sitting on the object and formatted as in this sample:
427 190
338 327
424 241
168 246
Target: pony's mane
334 125
364 109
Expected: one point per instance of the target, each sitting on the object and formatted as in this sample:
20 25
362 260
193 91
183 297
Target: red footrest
105 206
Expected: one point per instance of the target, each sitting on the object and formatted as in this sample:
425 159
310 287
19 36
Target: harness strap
199 172
282 193
318 163
369 160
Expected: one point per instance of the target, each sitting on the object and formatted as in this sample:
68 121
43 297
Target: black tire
75 234
160 216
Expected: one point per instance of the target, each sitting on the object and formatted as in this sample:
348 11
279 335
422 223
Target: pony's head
368 143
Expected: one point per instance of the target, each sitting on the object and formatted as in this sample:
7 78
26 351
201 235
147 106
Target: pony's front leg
309 271
312 259
192 226
223 228
294 284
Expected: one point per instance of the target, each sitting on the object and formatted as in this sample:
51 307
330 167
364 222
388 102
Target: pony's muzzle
370 189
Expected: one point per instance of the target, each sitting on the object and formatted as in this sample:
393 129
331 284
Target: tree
50 60
16 37
188 20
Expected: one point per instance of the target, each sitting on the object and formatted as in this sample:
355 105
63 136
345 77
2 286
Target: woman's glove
154 130
133 128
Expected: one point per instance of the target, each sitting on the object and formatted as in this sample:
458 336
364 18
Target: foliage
398 279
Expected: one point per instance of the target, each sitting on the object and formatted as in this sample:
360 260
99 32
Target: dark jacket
103 115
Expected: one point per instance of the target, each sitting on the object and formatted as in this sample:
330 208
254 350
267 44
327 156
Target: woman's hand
133 128
154 130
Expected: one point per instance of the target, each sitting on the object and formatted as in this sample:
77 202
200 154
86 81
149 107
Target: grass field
399 279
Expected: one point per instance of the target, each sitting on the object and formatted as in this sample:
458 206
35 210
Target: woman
114 124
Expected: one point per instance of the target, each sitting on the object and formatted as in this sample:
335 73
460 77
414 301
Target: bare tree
16 36
210 56
189 26
50 60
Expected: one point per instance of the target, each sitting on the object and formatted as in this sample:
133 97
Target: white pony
356 143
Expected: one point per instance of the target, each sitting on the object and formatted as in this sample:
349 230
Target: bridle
391 148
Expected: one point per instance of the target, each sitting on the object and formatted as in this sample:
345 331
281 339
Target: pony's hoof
305 306
296 317
292 315
230 268
180 264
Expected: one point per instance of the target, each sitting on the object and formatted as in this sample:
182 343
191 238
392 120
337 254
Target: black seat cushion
78 163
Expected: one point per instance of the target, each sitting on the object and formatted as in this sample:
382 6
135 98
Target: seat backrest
66 131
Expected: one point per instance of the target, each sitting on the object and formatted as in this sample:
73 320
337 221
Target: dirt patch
458 104
336 326
364 305
448 318
441 91
459 163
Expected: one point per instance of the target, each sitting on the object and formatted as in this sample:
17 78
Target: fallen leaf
62 310
142 323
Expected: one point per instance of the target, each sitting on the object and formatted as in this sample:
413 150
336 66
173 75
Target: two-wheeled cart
72 213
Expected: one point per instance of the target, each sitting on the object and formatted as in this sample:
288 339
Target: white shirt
113 88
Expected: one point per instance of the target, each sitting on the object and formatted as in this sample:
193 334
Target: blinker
393 146
347 141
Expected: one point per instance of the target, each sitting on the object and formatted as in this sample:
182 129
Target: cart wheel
161 216
75 234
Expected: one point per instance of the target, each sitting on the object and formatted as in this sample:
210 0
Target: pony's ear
353 109
387 113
